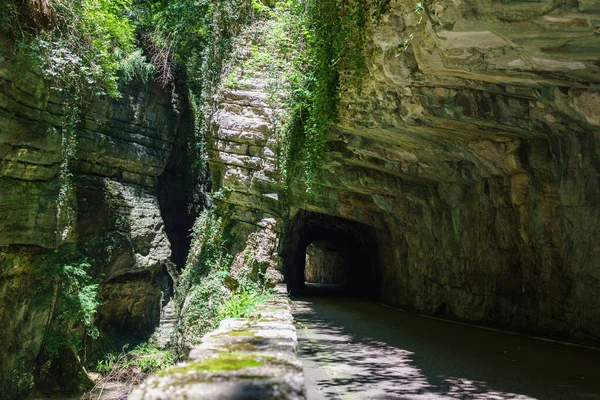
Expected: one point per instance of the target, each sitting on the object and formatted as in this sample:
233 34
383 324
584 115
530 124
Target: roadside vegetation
207 291
86 49
121 372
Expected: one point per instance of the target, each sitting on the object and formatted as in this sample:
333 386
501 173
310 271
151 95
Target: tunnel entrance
323 249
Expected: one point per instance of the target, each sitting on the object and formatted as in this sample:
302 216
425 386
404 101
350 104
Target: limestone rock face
243 151
473 150
105 202
121 229
471 153
258 260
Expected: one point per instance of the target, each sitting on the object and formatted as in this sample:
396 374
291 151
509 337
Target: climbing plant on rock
79 47
76 44
192 38
207 291
66 283
331 34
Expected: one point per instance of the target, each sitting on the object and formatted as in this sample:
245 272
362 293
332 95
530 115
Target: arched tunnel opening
320 250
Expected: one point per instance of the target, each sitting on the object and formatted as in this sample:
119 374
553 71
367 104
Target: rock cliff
465 167
103 199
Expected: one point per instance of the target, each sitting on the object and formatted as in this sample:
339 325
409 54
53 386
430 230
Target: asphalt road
358 349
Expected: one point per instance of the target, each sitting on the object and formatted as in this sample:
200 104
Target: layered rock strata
96 190
471 151
324 264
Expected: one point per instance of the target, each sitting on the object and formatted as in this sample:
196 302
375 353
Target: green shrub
203 286
200 311
76 44
311 47
129 369
106 364
192 36
207 292
134 67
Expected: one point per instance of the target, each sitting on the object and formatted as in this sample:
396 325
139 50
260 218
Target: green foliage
258 6
201 308
207 292
248 287
8 15
77 44
107 364
242 303
129 368
208 250
193 36
316 44
68 284
202 286
144 357
134 67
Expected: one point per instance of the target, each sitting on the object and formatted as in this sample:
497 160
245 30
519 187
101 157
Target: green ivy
68 285
193 38
202 287
207 292
76 43
317 45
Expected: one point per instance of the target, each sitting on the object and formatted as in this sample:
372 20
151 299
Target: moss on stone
241 346
241 332
222 362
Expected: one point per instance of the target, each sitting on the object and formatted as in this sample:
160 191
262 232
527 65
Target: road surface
358 349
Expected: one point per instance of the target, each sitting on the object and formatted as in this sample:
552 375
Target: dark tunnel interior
324 249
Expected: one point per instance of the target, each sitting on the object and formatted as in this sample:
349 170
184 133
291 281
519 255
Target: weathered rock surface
461 180
471 151
105 202
243 149
121 230
246 358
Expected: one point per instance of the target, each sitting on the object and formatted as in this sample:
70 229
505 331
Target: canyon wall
469 154
476 150
95 192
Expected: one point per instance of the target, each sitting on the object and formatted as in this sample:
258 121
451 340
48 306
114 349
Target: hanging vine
331 34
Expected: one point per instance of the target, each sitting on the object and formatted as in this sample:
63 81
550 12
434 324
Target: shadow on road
354 348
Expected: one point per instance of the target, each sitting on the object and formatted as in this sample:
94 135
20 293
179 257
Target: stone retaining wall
246 358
